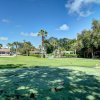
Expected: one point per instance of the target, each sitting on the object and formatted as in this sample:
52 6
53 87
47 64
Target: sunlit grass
54 62
48 79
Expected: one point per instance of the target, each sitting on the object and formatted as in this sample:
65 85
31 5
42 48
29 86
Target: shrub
35 55
70 55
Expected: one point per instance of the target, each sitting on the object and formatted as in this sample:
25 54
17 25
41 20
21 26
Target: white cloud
76 6
33 34
3 38
63 27
24 34
5 21
29 34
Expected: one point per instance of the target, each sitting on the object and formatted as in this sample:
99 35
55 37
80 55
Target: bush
70 55
35 55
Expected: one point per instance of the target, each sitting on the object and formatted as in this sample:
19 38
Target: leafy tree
23 48
48 46
85 42
27 46
96 32
90 40
54 42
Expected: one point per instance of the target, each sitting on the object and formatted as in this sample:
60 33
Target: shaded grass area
46 83
31 78
24 61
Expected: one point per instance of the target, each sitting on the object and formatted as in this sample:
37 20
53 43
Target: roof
4 50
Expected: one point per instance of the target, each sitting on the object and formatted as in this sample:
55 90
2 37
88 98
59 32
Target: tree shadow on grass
45 83
10 66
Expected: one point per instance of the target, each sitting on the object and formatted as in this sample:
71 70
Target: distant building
5 52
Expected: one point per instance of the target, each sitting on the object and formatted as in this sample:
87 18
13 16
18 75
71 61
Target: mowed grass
25 61
49 79
46 83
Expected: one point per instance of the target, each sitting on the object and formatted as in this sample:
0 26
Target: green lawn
49 79
22 61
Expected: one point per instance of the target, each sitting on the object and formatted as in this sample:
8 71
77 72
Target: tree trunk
84 54
92 54
27 53
75 52
43 56
55 52
16 50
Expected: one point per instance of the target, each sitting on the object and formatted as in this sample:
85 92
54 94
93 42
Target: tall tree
27 46
54 42
48 46
43 34
11 46
16 46
96 32
90 40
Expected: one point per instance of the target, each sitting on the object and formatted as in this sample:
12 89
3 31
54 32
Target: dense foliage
22 48
86 45
88 41
63 44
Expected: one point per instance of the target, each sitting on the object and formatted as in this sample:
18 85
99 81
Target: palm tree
43 34
10 46
16 46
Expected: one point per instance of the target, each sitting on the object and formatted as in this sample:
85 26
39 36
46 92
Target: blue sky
22 19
